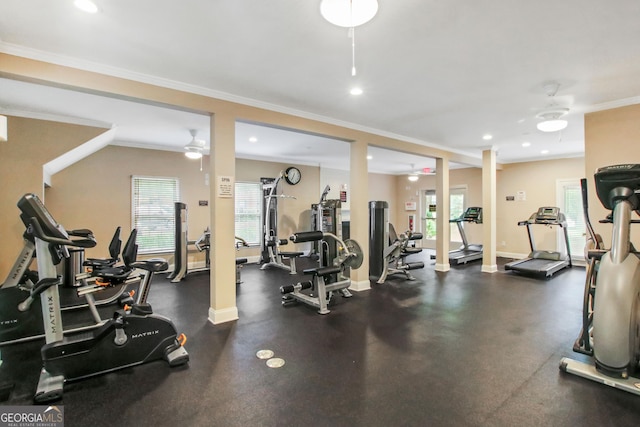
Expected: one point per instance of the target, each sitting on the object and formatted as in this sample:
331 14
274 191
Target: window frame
259 201
168 215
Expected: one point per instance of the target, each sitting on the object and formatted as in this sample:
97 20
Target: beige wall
31 144
95 193
611 137
383 187
294 214
538 181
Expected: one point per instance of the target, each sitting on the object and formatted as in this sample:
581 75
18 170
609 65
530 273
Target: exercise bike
129 338
20 312
611 317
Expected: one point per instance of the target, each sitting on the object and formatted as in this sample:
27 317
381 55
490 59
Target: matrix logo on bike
145 334
32 416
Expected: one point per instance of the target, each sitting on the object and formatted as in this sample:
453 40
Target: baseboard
513 255
489 268
362 285
222 316
443 267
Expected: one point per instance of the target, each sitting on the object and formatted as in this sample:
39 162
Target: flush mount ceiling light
349 14
86 6
551 117
413 177
195 148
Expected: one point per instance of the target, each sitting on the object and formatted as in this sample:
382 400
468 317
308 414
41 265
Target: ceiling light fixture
195 148
413 177
369 157
551 117
86 6
355 91
349 14
544 152
487 137
253 139
3 129
526 144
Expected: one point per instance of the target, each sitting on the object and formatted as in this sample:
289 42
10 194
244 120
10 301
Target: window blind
153 212
248 209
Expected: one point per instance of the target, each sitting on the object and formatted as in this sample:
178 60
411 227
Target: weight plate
264 354
354 248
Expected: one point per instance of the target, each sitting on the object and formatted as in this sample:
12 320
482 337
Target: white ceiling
436 73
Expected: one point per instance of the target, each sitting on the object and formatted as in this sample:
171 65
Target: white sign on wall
225 186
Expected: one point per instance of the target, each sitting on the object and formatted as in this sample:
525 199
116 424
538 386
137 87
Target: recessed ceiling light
544 152
369 157
487 137
526 144
253 139
355 91
86 6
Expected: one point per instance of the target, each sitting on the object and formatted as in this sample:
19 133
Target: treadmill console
548 214
472 214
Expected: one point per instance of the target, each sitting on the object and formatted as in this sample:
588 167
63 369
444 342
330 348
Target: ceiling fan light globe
348 13
554 125
193 154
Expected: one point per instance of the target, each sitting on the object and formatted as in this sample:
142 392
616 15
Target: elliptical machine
612 307
128 339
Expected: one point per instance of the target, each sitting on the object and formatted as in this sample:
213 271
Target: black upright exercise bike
129 338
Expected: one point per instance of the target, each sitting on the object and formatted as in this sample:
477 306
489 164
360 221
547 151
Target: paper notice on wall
521 196
225 186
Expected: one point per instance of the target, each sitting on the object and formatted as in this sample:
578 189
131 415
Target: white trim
513 255
55 118
222 316
362 285
443 267
489 268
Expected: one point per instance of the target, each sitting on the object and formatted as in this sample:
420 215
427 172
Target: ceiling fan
551 116
414 174
195 148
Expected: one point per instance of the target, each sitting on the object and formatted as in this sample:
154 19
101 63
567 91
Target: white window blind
248 211
153 212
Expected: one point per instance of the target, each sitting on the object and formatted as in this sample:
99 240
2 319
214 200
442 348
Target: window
456 208
153 212
248 211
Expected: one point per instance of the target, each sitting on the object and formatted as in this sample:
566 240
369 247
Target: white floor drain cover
276 362
264 354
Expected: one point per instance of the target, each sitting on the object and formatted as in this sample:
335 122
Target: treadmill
543 263
466 252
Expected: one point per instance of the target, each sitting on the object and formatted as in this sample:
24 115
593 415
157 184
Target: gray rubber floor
462 348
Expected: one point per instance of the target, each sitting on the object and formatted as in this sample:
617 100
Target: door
569 199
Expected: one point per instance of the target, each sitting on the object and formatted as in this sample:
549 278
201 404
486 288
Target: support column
359 182
442 215
489 264
222 210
